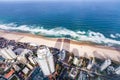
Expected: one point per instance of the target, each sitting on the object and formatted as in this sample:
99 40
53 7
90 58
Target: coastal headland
78 48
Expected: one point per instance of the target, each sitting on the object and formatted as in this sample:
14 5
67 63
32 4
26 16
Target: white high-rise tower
45 60
105 64
7 53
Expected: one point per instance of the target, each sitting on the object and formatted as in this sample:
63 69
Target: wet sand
78 48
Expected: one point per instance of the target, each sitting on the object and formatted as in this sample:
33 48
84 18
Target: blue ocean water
92 21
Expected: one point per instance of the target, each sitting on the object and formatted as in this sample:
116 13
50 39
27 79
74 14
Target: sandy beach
79 49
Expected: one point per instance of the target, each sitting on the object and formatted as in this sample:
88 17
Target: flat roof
9 73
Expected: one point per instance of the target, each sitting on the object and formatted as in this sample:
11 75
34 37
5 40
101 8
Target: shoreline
71 40
78 48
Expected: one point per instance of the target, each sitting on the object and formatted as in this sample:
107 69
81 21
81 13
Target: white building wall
117 70
31 60
11 53
105 64
44 66
45 61
5 54
51 64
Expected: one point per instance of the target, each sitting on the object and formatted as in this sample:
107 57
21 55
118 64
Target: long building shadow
76 52
107 56
58 43
66 44
118 58
96 54
86 55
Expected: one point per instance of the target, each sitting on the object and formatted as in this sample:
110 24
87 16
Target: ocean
92 21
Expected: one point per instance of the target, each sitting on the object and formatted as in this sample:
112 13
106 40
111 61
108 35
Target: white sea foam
63 32
117 35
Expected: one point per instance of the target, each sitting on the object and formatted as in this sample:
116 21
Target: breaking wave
60 32
117 35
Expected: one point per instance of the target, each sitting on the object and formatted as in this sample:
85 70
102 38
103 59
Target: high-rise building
76 61
31 60
45 60
105 64
7 53
22 58
62 55
91 63
117 70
